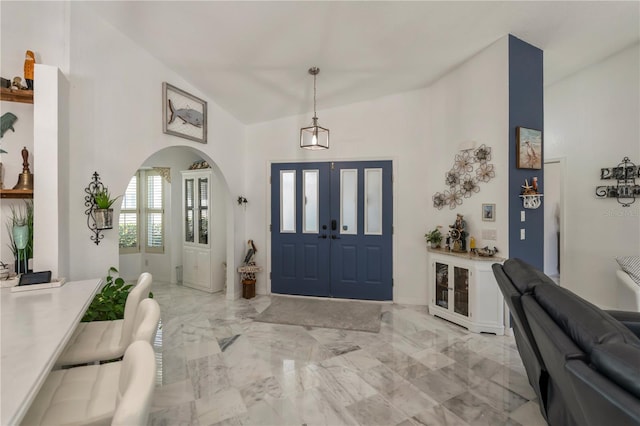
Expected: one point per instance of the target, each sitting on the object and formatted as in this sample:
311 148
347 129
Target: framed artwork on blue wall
183 114
528 148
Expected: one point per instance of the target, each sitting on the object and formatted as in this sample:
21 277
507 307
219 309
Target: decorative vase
21 239
104 218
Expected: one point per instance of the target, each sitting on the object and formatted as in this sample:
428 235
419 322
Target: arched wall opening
165 265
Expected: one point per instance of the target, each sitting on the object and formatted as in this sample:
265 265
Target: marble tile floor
216 366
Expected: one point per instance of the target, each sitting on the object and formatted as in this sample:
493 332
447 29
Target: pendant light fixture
314 136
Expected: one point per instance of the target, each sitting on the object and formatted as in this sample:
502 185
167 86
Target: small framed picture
183 114
488 212
528 148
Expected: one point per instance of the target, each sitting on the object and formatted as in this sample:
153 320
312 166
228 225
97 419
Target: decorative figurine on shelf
17 84
29 62
530 189
458 234
6 123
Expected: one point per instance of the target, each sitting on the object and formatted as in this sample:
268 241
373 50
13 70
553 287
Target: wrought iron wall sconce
94 187
531 199
626 189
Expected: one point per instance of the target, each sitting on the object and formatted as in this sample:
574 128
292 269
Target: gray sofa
583 362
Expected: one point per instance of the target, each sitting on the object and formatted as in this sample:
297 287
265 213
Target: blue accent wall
526 109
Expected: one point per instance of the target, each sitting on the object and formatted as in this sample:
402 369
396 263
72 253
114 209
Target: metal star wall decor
460 178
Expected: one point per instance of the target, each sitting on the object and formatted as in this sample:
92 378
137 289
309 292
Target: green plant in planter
434 236
103 199
108 305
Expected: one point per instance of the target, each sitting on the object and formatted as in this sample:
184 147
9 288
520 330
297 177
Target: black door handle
333 237
323 236
334 225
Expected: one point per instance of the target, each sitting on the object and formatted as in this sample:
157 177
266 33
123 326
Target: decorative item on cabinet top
460 178
531 199
99 212
626 189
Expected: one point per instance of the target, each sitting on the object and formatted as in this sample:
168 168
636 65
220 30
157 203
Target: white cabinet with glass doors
463 290
196 220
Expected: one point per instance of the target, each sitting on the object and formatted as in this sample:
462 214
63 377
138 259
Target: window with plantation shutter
154 213
128 225
142 214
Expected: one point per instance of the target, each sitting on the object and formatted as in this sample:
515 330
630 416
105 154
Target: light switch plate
522 234
522 216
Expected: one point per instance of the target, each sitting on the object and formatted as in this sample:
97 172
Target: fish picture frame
183 114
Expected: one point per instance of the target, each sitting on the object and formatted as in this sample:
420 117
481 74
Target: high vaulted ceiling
252 57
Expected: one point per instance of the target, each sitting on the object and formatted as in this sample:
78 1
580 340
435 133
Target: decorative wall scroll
626 189
470 167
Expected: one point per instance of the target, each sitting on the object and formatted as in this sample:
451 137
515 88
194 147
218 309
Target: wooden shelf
23 96
16 193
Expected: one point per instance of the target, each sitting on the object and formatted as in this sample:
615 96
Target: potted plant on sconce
434 237
103 211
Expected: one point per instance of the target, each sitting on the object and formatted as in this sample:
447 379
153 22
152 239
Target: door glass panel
442 285
349 201
188 209
310 212
461 291
203 186
287 201
373 202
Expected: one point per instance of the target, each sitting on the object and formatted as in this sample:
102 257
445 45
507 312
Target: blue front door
331 230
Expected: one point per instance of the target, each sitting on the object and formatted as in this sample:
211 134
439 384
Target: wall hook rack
91 190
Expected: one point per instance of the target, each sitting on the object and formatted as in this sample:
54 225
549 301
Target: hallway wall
593 119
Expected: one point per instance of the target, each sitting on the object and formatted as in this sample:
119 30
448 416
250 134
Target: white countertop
34 328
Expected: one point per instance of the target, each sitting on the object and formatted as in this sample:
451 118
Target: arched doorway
151 220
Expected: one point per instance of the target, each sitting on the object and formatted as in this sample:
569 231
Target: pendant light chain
314 136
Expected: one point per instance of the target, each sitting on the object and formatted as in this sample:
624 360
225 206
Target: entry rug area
345 315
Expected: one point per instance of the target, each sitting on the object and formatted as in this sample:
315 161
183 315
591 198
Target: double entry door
331 229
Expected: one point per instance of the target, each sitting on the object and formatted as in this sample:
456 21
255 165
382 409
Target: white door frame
563 229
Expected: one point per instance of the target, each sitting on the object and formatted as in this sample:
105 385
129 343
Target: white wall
592 119
470 107
114 119
420 131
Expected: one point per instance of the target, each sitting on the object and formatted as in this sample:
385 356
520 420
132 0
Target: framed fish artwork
183 114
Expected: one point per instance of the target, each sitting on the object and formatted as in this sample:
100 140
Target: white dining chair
117 393
106 340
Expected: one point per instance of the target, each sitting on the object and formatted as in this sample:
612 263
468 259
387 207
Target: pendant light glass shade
314 136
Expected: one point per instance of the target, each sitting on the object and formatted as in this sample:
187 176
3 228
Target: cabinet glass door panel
461 291
188 210
442 285
203 209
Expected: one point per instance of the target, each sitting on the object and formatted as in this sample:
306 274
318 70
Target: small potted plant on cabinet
103 211
434 237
